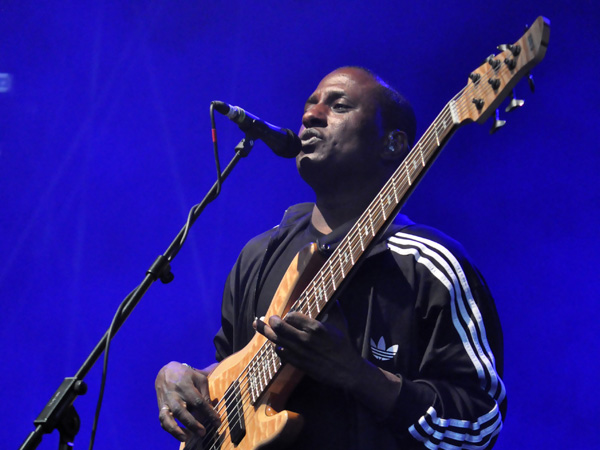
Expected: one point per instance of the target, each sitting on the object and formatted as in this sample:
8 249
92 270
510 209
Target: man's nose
315 116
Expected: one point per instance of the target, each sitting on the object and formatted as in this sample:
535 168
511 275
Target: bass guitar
250 388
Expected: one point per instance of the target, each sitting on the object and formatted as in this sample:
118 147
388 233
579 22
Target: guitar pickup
235 413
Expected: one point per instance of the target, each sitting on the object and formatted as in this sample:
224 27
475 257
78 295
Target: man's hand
321 350
325 353
182 394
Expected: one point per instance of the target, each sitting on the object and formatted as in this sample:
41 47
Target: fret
319 294
332 276
421 153
407 174
415 165
330 281
382 207
264 379
268 367
342 264
371 221
274 360
297 306
436 135
252 386
311 289
253 376
360 236
444 121
394 188
258 373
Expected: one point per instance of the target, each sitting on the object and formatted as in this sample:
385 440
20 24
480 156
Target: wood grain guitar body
250 388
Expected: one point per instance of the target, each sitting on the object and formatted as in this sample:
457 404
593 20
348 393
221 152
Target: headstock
494 80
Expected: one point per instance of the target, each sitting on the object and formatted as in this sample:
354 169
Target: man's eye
340 106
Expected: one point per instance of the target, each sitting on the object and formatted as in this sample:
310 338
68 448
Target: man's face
341 129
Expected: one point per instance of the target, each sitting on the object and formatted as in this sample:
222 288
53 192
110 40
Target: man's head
355 129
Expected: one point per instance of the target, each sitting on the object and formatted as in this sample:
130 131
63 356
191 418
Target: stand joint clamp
161 270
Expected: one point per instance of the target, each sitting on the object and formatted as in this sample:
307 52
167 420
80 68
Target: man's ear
395 146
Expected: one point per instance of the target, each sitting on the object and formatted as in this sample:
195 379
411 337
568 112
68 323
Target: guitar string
445 113
411 158
353 238
323 281
314 288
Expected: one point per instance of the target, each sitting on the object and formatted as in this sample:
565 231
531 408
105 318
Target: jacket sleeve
238 308
223 340
457 400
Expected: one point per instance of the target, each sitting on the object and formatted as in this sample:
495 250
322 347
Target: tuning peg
492 61
515 103
514 49
497 123
531 83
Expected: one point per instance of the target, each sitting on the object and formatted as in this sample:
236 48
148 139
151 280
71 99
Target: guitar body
265 422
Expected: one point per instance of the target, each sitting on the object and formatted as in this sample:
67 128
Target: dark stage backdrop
105 145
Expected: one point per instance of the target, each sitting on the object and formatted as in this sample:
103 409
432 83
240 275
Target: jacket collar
299 215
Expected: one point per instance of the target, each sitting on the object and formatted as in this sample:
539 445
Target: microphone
283 141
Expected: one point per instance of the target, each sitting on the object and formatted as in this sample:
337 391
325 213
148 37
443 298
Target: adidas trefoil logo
380 351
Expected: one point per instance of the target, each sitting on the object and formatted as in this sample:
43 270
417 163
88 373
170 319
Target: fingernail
259 325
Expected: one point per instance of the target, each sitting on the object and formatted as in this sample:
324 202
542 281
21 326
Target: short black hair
396 110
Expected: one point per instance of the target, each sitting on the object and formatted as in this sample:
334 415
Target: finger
170 425
185 417
283 334
202 407
302 321
263 328
298 327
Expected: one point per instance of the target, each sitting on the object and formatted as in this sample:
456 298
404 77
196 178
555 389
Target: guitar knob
515 103
497 123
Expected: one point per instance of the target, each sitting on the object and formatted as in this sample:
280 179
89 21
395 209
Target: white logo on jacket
380 351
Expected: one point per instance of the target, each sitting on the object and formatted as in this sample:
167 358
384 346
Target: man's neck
331 212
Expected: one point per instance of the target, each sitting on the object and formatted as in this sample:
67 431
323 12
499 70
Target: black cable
117 315
193 210
105 366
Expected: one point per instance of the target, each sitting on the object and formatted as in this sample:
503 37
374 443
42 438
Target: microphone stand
59 413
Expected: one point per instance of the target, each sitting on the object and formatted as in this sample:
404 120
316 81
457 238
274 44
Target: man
410 354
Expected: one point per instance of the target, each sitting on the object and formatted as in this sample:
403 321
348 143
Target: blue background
105 145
